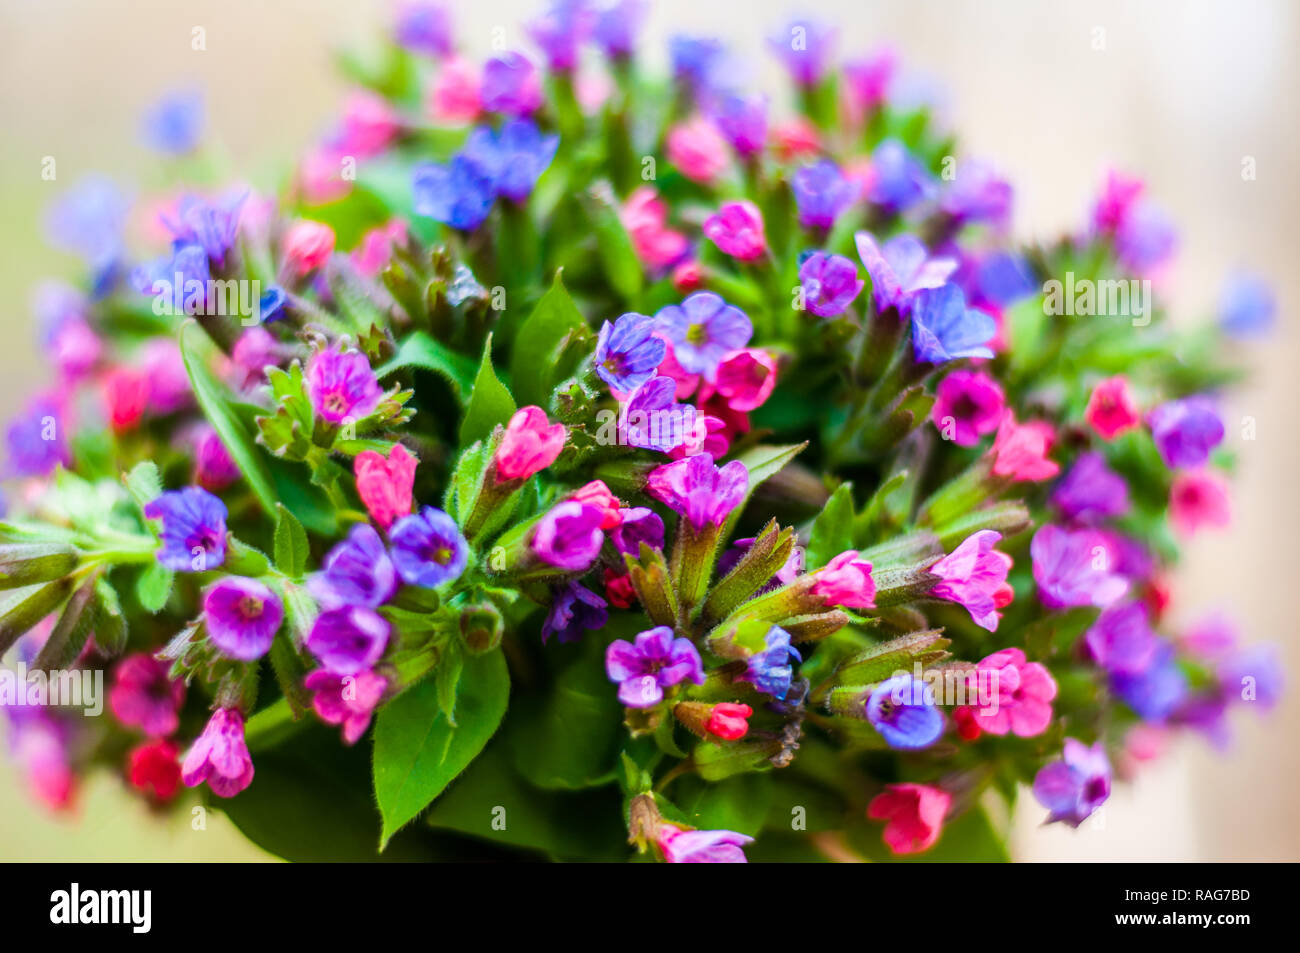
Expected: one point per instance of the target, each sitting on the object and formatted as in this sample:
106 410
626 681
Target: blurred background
1178 91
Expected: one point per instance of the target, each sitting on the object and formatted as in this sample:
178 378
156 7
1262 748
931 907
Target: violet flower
561 31
1253 675
628 352
36 440
513 158
349 640
1186 431
424 27
1074 787
899 181
616 28
193 534
1156 691
701 847
241 617
944 329
428 548
220 755
89 220
1091 491
1075 568
822 192
174 124
341 386
830 283
356 572
978 195
702 329
974 575
902 709
804 46
652 419
1247 306
656 661
742 120
637 525
569 535
574 609
213 226
1121 640
510 86
695 488
899 269
695 60
770 670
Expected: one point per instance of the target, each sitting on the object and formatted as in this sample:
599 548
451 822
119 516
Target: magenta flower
356 572
348 641
341 385
214 468
899 269
737 229
1121 640
1075 568
220 755
530 444
657 661
1186 431
1021 695
846 581
569 535
975 576
428 548
745 378
347 700
1072 788
968 404
1198 499
830 284
1091 491
1111 408
241 617
702 330
193 534
701 847
696 489
913 815
144 696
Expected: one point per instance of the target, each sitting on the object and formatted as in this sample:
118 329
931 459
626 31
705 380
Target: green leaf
22 564
22 608
761 462
421 350
737 803
290 670
154 586
214 401
418 752
489 403
291 548
69 636
617 256
535 357
832 531
144 483
110 632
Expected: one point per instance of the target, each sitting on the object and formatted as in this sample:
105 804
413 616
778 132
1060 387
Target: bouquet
577 463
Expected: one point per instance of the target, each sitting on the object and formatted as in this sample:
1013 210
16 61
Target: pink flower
796 139
307 246
1198 498
1111 409
1022 695
126 393
1020 450
669 367
385 485
1118 195
220 756
645 217
369 125
968 405
169 382
455 96
708 435
144 696
913 815
846 581
728 721
701 847
697 149
746 378
347 700
688 276
320 176
214 468
75 348
531 443
597 494
376 249
975 576
737 229
255 351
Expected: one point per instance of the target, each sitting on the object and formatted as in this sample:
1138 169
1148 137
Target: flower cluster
642 457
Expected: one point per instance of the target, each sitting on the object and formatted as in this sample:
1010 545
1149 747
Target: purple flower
902 710
88 220
561 30
653 420
210 225
770 670
639 524
1091 491
1075 568
898 180
174 123
181 278
1156 691
1247 307
514 158
1121 639
822 192
510 85
696 489
356 572
1146 238
1072 788
214 467
569 535
657 661
241 617
220 755
804 46
1185 431
424 28
978 195
944 329
695 60
974 575
702 847
459 193
830 283
574 609
899 269
616 28
628 353
1253 675
193 534
341 385
742 120
428 548
702 329
36 440
348 641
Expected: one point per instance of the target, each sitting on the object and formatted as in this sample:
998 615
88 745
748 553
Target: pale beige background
1181 92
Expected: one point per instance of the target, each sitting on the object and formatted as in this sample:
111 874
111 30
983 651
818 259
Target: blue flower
428 548
1247 307
458 193
174 123
902 710
514 158
193 534
944 329
628 353
1156 691
695 60
770 671
822 192
182 277
574 609
88 220
211 225
899 180
271 304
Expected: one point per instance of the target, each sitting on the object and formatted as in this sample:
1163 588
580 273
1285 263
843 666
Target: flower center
250 607
697 334
336 403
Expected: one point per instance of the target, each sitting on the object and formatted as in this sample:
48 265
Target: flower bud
481 626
